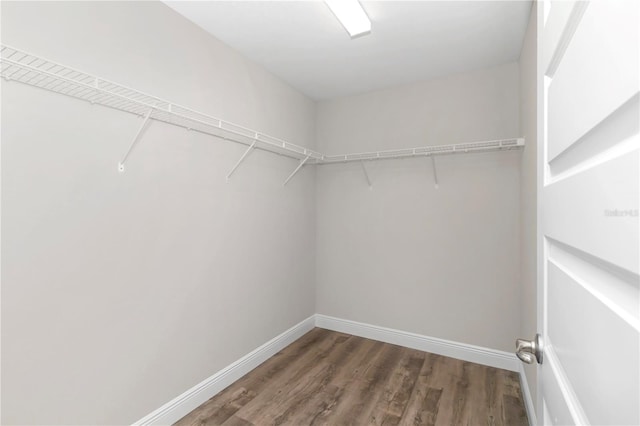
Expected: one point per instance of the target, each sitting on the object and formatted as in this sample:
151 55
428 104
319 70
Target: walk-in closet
332 212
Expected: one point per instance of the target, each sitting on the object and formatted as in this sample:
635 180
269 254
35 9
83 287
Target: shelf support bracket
247 152
366 175
435 173
302 162
135 141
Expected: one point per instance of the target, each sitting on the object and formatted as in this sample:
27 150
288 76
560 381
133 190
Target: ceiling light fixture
351 15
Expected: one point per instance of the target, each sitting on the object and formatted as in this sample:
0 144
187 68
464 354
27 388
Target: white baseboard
182 405
528 400
463 351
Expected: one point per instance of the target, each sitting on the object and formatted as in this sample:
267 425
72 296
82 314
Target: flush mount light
351 15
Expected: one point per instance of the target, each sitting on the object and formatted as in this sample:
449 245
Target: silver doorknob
529 350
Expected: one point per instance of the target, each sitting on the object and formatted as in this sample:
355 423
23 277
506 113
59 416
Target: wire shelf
434 150
17 65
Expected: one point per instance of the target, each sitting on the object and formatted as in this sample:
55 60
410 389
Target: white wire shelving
23 67
33 70
426 151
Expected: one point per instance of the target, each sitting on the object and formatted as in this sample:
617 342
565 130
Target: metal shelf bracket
435 173
247 152
302 162
135 140
366 175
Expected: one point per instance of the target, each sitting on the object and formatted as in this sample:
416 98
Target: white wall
445 262
119 292
528 193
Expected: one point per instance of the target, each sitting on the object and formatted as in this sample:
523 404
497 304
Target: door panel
589 201
589 161
597 74
615 287
559 402
613 136
554 30
589 347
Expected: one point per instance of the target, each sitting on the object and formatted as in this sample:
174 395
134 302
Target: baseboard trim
182 405
463 351
526 395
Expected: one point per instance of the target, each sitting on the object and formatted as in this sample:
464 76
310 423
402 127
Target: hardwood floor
330 378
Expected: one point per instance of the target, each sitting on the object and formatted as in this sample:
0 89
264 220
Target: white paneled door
589 297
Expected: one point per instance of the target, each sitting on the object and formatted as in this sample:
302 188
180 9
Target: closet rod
33 70
26 68
433 150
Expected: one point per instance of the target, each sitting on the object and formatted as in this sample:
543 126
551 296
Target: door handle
529 351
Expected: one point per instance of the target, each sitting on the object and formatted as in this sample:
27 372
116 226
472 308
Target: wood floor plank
236 421
424 402
460 396
281 404
513 412
329 378
290 360
392 402
320 409
429 407
445 374
215 414
357 404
